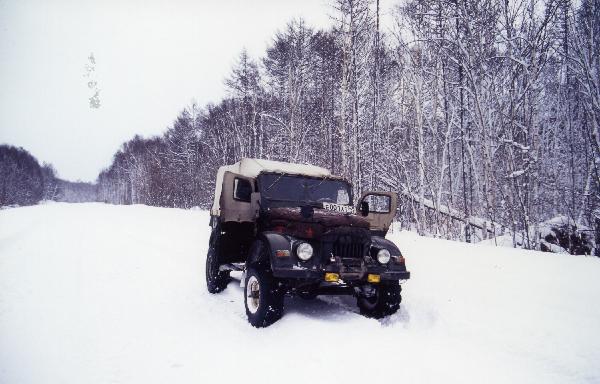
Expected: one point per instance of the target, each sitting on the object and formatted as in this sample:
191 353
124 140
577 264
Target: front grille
349 247
352 262
346 243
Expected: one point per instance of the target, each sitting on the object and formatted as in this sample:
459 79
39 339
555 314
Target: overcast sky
152 59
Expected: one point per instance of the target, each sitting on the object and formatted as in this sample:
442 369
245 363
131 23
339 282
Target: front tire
385 302
262 298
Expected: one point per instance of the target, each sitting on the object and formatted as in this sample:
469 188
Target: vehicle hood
319 216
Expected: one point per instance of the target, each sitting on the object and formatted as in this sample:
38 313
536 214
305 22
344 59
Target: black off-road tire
262 298
386 301
216 281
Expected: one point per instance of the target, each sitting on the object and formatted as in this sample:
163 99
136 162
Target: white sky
152 59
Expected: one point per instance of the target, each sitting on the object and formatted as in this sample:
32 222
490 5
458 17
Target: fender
378 243
274 242
381 243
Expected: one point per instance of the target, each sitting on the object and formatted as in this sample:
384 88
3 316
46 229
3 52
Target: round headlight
304 251
383 256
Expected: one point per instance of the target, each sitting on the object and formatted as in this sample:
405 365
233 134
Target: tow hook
366 290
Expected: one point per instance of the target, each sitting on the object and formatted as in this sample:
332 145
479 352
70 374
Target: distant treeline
475 111
24 182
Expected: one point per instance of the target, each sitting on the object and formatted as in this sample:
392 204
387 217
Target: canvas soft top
252 167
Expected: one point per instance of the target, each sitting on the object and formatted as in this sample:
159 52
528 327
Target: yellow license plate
332 277
373 278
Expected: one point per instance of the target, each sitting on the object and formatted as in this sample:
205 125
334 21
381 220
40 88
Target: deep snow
94 293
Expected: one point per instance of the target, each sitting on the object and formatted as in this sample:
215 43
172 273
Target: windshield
286 189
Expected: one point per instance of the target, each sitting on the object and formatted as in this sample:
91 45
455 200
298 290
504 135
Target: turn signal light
282 253
332 277
373 278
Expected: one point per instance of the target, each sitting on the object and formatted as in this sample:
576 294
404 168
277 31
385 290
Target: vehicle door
379 208
236 197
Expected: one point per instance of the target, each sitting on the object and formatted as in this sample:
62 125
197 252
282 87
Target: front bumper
345 275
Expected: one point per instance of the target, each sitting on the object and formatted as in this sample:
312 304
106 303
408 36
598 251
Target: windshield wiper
275 182
309 189
317 185
297 202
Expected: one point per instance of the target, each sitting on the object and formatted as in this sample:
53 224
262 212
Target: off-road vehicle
292 230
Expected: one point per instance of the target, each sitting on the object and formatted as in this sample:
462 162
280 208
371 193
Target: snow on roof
253 167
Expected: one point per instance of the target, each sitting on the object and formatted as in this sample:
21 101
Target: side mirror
364 208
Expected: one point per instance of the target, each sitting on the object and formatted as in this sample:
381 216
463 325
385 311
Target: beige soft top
252 167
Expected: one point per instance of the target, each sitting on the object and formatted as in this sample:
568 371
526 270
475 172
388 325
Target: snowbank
558 235
93 293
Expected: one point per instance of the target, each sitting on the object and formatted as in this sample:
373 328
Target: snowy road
94 293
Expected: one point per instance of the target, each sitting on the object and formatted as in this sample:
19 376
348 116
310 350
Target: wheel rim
253 294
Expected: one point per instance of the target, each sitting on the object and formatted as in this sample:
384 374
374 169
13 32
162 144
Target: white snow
545 228
516 173
94 293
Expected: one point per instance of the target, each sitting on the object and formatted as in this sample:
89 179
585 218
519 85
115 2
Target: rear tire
385 302
262 298
216 281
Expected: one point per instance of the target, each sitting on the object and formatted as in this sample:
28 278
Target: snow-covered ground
94 293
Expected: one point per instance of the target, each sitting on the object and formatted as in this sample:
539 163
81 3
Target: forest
483 115
25 182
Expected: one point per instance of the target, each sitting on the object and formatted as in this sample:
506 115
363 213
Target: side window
378 203
242 189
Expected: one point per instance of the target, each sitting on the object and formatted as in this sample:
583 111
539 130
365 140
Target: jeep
291 229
